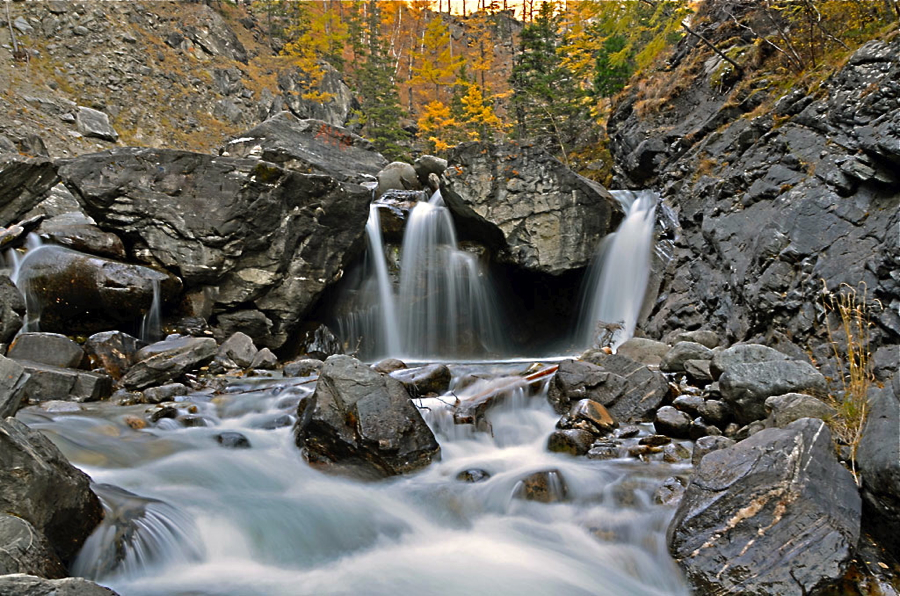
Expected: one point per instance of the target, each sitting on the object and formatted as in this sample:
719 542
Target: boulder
575 380
78 293
397 175
388 365
163 393
708 444
38 485
784 409
94 123
303 367
547 486
310 146
77 232
167 360
681 352
13 379
321 343
672 423
745 387
12 309
265 359
645 351
239 349
364 421
261 238
644 390
527 206
25 550
878 456
703 337
47 382
47 348
774 514
30 585
572 441
698 371
595 414
424 380
23 181
742 354
428 164
113 351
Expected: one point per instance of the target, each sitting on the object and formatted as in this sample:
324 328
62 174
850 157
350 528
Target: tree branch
709 44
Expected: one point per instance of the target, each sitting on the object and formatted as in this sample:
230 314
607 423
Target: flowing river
188 516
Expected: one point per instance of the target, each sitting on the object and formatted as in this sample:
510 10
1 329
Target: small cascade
16 262
151 328
617 278
389 330
445 303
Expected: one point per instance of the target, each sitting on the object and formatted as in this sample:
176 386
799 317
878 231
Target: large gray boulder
397 175
309 146
259 237
878 456
38 485
77 293
168 360
774 514
742 354
528 206
54 349
363 422
25 550
575 380
47 382
745 387
94 123
30 585
23 181
13 379
645 389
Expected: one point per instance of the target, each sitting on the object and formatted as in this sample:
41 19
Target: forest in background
426 79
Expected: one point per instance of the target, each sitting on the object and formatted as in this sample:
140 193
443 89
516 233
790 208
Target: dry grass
849 341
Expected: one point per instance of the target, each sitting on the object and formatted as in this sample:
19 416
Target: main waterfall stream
186 516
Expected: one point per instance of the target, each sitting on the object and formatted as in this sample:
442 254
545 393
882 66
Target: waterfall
618 274
16 264
150 325
389 331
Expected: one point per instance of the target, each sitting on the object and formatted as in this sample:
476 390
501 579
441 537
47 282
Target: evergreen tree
613 68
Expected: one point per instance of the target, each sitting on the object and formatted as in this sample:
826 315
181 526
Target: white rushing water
193 518
617 277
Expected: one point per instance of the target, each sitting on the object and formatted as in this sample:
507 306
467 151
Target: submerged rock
774 514
544 487
365 422
572 441
424 380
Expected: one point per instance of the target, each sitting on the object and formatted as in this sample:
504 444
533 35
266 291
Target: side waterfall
617 278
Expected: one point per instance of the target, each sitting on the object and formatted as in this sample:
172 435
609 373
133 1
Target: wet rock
167 360
162 412
310 146
46 382
878 456
543 487
74 231
645 351
604 450
703 337
784 409
700 428
12 309
13 379
742 354
302 368
30 585
692 404
25 180
113 351
239 349
135 422
94 123
774 514
715 412
38 485
627 432
745 387
708 444
672 422
698 371
233 440
366 422
595 414
321 343
397 175
681 352
388 365
473 475
669 492
644 389
259 237
575 380
655 440
25 550
79 293
264 360
47 348
572 441
163 393
425 380
643 452
527 206
429 164
674 453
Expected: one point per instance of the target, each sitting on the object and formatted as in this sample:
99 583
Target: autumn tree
435 63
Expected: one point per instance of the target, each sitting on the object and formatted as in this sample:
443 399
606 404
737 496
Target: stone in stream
167 360
577 380
473 475
544 487
595 414
672 422
25 550
264 360
774 514
48 382
681 352
47 348
424 380
78 232
745 387
715 412
13 379
364 422
321 343
698 371
784 409
303 367
233 440
113 351
239 349
38 485
878 456
644 389
670 492
572 441
389 365
163 393
29 585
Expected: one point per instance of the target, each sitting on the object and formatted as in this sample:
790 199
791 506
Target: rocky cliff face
774 203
